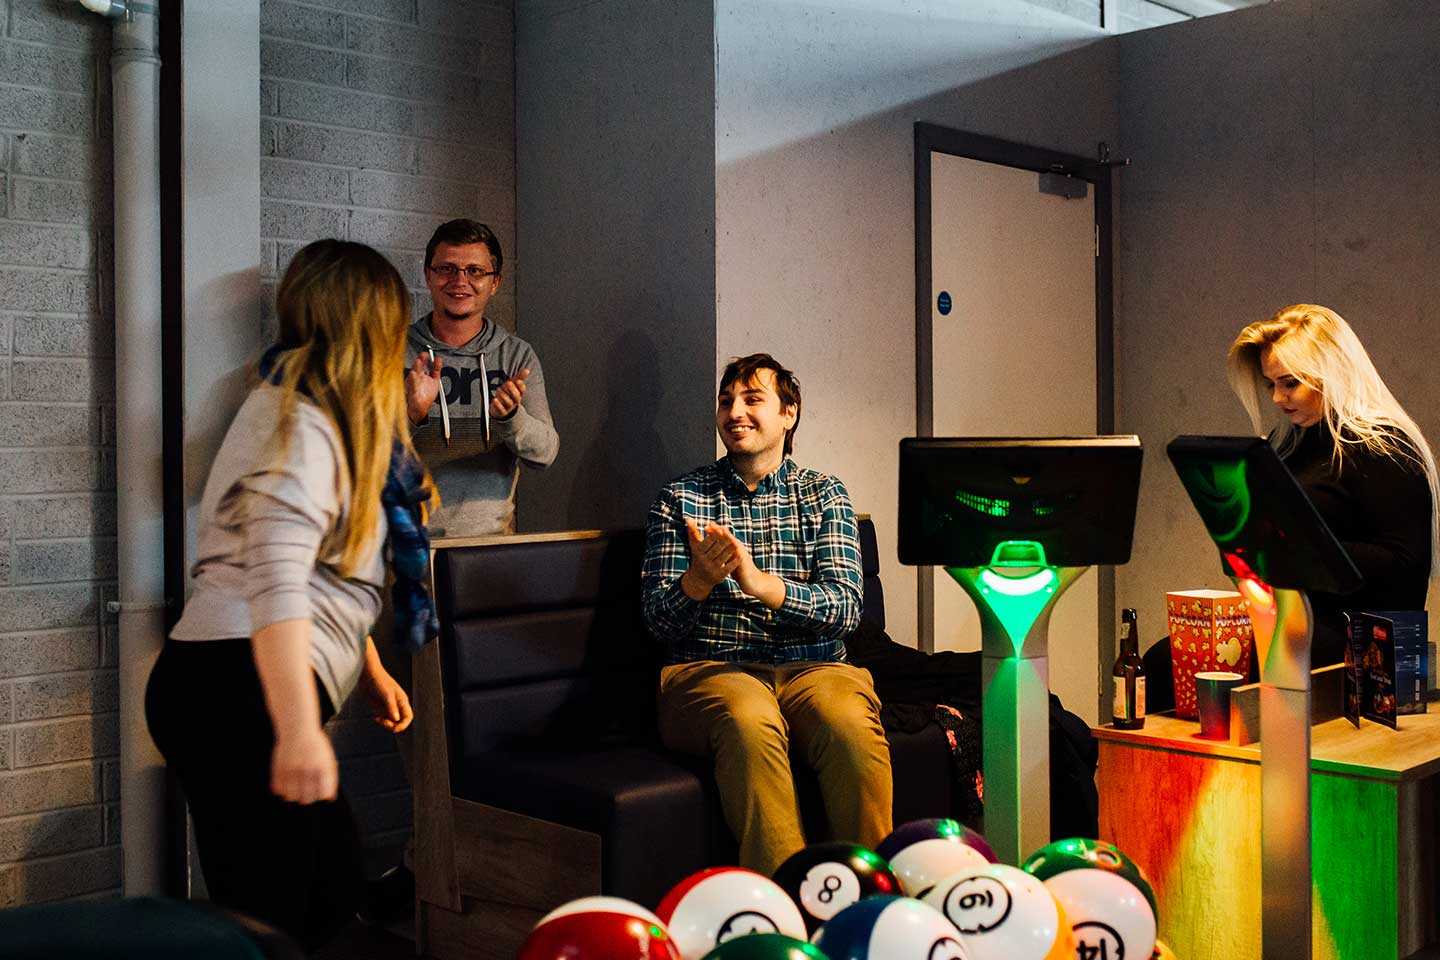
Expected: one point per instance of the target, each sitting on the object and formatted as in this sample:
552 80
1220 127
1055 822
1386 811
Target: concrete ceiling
1204 8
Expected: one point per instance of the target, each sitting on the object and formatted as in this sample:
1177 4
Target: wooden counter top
1373 752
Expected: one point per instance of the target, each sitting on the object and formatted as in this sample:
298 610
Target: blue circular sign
943 302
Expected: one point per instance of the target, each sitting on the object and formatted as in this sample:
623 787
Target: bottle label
1123 709
1140 698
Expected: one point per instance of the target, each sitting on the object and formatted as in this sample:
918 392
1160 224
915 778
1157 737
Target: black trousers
298 868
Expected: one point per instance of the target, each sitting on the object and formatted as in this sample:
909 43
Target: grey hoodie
476 480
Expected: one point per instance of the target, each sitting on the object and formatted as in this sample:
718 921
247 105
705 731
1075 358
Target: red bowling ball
599 928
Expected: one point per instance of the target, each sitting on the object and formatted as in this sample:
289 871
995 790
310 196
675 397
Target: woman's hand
302 764
303 767
389 704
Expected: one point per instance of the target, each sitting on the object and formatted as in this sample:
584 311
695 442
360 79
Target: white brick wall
380 119
59 819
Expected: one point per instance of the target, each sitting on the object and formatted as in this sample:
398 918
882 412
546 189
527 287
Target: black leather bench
542 752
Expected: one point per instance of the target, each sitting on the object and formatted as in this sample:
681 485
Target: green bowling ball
1078 853
1109 903
765 946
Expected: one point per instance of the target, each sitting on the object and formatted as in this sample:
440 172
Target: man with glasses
492 415
476 399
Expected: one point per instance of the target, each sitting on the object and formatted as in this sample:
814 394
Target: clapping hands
716 553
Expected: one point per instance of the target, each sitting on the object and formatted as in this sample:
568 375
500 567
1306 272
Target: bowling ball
1003 913
766 946
599 928
714 906
923 851
825 878
1110 904
890 928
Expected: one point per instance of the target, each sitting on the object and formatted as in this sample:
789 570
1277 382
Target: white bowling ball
717 905
1003 913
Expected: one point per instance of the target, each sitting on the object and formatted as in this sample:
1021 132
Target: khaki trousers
748 717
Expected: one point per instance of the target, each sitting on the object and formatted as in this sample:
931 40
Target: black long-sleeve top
1378 507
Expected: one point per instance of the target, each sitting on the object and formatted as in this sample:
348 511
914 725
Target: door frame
931 138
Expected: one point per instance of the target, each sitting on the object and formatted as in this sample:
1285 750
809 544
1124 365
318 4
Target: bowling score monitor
1259 516
991 501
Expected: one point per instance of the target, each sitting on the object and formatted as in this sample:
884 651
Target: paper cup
1212 697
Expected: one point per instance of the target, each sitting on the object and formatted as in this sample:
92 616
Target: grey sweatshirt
477 481
262 520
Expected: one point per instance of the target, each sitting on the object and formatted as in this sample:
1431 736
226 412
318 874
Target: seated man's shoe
391 898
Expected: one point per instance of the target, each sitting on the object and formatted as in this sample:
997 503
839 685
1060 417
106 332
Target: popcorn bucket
1209 630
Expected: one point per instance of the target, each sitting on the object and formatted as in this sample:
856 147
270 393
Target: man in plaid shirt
752 582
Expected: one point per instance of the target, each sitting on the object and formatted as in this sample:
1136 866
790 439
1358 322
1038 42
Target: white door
1013 348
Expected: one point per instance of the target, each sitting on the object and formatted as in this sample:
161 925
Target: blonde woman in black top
1354 449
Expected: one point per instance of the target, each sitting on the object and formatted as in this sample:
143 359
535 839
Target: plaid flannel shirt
798 525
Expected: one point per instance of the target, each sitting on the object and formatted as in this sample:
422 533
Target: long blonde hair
344 312
1316 346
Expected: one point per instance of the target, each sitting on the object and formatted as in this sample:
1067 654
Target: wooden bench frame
483 875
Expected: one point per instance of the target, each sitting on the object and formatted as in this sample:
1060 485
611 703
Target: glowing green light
1016 613
1018 553
1017 586
1221 496
1014 600
990 506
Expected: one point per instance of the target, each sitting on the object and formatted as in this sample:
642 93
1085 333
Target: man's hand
422 386
753 582
508 395
712 559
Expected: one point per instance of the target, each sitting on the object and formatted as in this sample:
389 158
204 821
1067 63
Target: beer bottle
1129 673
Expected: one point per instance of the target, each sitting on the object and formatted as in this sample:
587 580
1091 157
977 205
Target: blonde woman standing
314 474
1354 449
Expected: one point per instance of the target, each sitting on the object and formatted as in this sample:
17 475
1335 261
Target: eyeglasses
474 274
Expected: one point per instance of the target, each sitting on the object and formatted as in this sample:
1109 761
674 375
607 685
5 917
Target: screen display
961 497
1259 517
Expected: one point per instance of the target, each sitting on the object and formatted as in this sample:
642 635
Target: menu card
1386 665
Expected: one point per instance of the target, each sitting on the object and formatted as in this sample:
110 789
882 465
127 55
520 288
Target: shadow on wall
790 275
627 460
228 390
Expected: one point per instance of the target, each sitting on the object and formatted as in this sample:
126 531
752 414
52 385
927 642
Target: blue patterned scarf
406 542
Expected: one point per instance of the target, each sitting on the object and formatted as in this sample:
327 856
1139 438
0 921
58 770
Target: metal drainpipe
135 79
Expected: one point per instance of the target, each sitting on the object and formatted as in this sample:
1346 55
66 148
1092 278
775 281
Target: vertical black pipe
176 857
